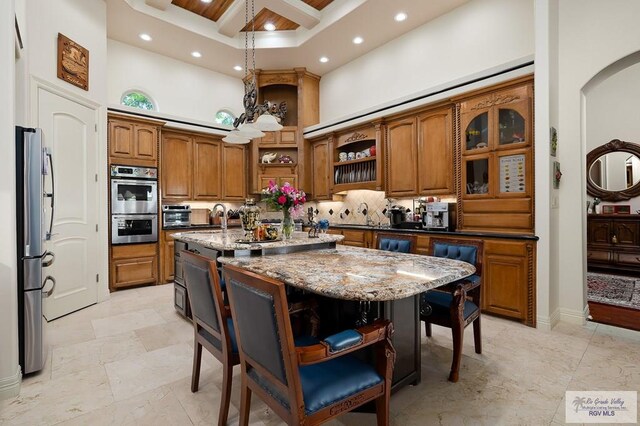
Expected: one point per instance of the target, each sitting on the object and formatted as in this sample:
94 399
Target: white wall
180 89
612 111
472 38
83 21
9 368
592 35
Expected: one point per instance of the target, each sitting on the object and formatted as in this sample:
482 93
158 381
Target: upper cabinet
321 169
285 156
420 154
177 166
496 160
402 158
207 173
234 169
201 167
132 141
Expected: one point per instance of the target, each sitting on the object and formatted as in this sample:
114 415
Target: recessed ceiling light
358 40
206 1
324 59
145 37
400 17
196 54
269 26
237 68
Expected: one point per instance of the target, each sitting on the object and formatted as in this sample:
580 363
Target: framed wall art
73 62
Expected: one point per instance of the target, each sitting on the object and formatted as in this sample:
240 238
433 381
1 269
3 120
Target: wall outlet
555 202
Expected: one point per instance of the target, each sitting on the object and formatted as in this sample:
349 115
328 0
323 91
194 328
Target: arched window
225 117
138 99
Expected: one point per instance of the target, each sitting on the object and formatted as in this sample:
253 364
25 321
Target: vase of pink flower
286 199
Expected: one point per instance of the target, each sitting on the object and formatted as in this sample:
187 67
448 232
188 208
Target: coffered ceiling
305 30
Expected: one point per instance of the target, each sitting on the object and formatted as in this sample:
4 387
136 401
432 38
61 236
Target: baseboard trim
547 323
574 317
10 386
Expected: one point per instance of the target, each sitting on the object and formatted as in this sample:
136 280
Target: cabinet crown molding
495 99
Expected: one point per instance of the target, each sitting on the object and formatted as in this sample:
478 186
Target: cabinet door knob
614 239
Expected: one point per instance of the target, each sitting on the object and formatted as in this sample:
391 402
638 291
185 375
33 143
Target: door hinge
96 177
96 127
97 278
96 227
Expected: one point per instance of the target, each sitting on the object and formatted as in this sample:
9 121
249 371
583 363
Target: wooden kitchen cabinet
167 264
354 237
207 173
321 169
133 142
133 265
509 279
495 159
435 152
177 166
285 138
234 173
201 167
402 158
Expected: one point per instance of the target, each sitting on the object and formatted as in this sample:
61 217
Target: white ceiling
177 32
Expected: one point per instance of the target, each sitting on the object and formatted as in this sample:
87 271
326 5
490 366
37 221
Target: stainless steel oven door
134 196
134 228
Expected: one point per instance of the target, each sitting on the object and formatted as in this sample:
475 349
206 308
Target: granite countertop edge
434 232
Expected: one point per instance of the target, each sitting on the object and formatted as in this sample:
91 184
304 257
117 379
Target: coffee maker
439 216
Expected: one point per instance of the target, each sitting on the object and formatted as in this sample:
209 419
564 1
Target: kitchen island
352 286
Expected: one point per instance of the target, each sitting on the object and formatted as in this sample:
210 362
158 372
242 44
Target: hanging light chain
246 40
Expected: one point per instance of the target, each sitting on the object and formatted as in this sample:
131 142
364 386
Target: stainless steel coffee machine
439 216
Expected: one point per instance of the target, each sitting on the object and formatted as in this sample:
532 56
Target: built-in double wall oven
134 204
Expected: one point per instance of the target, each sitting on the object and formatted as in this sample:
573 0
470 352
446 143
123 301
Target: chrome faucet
224 216
369 221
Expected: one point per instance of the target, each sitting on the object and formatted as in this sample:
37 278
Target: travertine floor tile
140 373
97 352
128 361
126 322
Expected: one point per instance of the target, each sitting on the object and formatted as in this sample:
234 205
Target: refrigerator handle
48 293
48 262
51 194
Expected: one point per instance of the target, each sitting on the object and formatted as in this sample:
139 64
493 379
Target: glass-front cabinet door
513 128
476 172
477 131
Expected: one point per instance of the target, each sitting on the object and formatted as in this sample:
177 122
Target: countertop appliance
33 168
440 216
396 215
176 216
134 204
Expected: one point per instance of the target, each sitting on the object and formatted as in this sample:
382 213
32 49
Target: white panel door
69 131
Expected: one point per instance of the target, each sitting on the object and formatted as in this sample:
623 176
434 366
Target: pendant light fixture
247 126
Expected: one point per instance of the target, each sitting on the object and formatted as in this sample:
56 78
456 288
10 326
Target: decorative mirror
613 171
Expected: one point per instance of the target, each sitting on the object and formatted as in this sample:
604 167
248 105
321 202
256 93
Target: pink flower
282 199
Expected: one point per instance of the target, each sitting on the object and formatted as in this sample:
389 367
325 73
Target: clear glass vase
287 225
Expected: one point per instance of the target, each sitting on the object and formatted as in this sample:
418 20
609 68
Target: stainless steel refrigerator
34 173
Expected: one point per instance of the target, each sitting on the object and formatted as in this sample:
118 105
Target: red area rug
613 290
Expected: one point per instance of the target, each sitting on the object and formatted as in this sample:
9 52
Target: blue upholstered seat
440 302
326 382
215 342
397 245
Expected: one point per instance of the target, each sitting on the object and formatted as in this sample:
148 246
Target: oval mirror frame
616 145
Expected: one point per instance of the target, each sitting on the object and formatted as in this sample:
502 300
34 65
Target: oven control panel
134 172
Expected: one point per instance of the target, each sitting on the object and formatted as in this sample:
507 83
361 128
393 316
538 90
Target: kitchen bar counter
226 243
359 274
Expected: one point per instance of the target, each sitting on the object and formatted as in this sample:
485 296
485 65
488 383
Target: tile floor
128 361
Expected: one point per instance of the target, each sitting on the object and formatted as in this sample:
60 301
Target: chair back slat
400 243
202 294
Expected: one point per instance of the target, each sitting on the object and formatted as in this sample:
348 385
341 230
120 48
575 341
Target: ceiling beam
232 20
296 11
158 4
